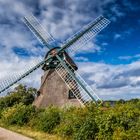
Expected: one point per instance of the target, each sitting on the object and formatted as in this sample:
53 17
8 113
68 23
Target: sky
110 63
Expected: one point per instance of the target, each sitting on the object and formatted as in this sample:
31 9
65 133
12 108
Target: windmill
60 71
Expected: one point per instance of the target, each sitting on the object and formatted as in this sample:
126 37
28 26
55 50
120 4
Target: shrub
105 123
47 120
119 120
88 130
9 101
21 94
18 114
71 122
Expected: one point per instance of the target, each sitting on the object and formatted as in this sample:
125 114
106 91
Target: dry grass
37 135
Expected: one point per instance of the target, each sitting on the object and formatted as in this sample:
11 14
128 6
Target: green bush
131 134
106 123
21 94
87 130
47 119
9 101
118 121
71 121
19 114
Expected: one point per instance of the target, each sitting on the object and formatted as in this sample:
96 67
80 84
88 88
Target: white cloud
124 34
117 36
117 10
104 44
113 81
137 56
125 57
15 67
134 6
64 18
80 58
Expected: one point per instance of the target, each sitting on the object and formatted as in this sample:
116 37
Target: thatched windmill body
53 89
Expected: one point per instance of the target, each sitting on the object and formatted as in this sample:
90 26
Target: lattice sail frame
8 82
88 31
38 30
79 92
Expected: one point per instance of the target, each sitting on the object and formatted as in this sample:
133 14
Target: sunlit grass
29 132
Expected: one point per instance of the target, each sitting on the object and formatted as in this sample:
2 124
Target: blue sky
110 63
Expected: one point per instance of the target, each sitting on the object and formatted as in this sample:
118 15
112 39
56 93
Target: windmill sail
79 39
7 83
79 88
33 24
82 90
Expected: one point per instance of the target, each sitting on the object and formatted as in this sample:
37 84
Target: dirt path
9 135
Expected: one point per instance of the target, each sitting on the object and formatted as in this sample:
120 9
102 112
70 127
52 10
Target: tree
21 94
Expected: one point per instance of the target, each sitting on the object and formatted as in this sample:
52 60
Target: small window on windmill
71 95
